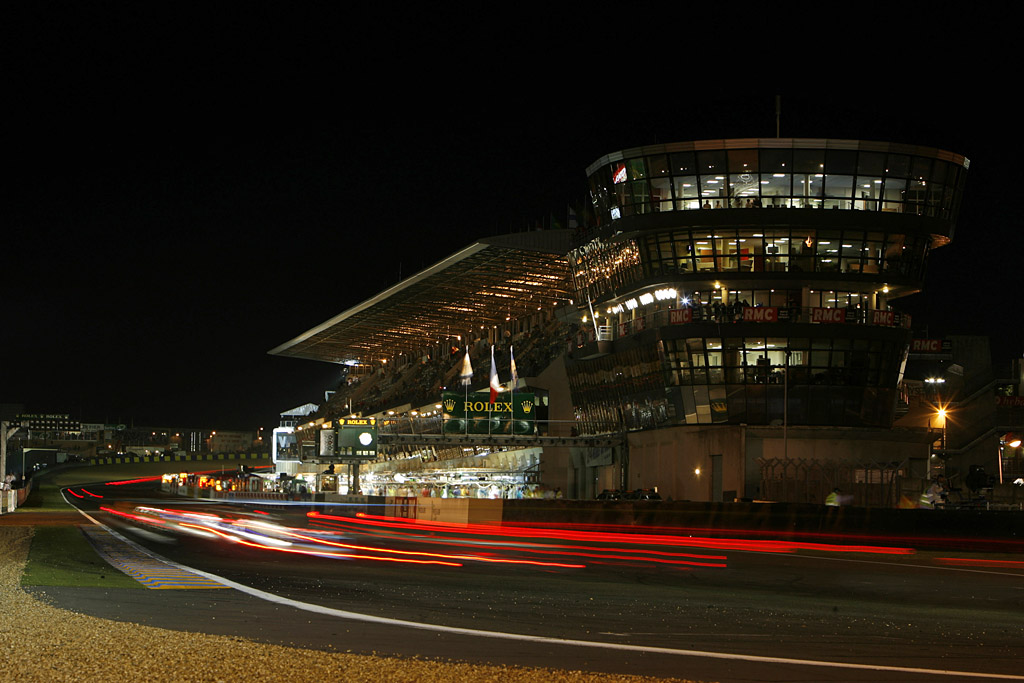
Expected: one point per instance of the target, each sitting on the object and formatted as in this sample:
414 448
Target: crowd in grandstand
419 380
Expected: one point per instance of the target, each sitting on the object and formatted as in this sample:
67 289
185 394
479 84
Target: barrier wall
970 530
993 530
192 457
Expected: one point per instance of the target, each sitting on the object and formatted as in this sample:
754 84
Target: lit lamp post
1009 439
940 421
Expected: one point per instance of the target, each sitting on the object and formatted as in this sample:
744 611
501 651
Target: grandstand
403 347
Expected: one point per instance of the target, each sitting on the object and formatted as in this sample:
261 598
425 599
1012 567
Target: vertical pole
3 459
778 113
785 408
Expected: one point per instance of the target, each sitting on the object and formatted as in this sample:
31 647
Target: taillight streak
663 557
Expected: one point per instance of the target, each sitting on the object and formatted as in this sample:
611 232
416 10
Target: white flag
515 373
466 375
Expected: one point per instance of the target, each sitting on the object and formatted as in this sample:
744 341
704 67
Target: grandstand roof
486 283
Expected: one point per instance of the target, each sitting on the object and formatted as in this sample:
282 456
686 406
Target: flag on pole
495 385
515 373
466 375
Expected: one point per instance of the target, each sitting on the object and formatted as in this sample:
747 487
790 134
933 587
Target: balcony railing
728 314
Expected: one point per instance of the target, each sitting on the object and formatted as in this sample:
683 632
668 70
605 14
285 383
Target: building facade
752 285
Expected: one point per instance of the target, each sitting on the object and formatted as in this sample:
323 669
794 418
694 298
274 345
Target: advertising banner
760 314
475 414
828 315
883 318
357 438
926 346
677 316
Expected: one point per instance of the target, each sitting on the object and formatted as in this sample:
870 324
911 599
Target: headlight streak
236 529
472 558
330 556
137 518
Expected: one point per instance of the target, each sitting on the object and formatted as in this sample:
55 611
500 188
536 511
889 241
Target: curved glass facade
697 316
605 266
778 173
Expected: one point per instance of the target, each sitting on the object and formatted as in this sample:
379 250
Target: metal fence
810 480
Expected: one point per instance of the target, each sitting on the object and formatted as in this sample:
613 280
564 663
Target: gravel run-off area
39 642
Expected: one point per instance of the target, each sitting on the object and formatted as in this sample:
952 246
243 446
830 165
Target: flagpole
465 405
512 413
490 405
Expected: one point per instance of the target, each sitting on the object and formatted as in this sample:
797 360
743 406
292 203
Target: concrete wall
668 459
557 471
459 510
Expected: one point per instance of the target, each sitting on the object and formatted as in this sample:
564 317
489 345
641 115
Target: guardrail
731 313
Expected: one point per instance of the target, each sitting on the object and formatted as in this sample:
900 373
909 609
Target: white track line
355 616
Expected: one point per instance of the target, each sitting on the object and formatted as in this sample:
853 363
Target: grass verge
61 556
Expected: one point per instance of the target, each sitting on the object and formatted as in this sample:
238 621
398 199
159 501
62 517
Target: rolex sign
475 414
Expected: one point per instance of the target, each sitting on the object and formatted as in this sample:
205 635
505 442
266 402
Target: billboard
474 414
357 438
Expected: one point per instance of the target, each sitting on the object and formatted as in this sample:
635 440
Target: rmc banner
509 414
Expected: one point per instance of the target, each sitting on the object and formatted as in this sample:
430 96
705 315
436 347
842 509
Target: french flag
495 385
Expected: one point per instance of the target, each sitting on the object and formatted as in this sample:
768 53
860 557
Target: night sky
187 192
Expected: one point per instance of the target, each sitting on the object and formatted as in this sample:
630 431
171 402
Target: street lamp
940 416
1009 439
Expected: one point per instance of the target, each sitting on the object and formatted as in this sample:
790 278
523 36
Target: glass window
870 163
893 194
841 161
776 160
828 246
867 190
683 163
713 187
744 188
898 165
636 169
807 189
711 162
809 160
851 251
776 251
658 165
935 192
661 194
921 168
838 185
775 189
639 195
742 160
686 189
704 253
917 192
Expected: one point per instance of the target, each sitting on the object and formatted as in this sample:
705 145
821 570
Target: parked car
642 494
